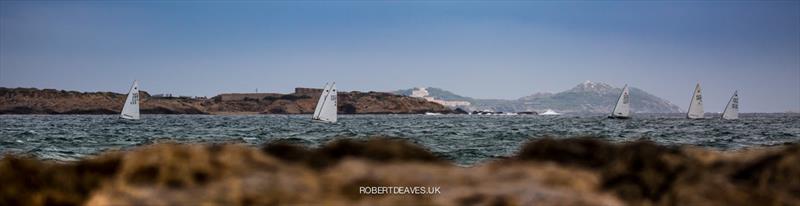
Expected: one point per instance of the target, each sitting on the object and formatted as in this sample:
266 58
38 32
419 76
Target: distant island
586 97
302 101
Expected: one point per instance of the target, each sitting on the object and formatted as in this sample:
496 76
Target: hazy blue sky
479 49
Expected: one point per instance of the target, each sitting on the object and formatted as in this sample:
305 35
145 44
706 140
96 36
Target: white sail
319 102
696 106
623 107
327 107
131 108
732 109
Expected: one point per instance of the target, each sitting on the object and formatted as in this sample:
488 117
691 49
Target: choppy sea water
464 139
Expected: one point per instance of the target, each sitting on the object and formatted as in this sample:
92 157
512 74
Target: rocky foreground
579 171
50 101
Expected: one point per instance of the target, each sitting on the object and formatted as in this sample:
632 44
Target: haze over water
465 139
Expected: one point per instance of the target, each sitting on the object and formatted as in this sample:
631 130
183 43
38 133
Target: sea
463 139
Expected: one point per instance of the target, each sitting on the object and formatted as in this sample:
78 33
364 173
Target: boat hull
127 117
618 117
322 121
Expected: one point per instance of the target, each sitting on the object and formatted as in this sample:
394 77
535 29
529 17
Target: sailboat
732 109
325 110
623 108
696 106
130 110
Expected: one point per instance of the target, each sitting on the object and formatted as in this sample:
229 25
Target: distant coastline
302 101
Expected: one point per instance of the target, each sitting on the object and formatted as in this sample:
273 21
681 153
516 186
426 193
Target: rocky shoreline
579 171
51 101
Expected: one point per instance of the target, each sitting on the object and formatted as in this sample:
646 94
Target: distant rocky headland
302 101
586 97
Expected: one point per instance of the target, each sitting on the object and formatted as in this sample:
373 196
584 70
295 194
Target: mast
328 112
321 100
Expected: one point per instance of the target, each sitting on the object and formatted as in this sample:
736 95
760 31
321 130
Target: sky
501 50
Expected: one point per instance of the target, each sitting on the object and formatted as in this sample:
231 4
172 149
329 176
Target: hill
596 97
51 101
587 97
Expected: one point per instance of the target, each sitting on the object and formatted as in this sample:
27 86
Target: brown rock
638 173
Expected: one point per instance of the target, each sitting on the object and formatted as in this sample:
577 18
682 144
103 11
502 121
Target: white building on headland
422 92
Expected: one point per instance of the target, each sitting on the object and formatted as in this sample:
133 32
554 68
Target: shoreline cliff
51 101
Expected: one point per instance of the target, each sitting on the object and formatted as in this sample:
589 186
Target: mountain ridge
586 97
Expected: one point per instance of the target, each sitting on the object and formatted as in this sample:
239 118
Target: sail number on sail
625 98
135 98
